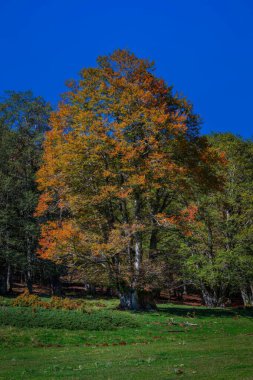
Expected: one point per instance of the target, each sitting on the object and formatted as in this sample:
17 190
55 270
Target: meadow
97 341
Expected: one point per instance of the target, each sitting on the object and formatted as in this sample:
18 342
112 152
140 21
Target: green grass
177 342
64 319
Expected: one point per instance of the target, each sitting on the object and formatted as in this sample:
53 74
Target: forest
117 189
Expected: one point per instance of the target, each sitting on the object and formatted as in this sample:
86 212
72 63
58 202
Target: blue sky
203 47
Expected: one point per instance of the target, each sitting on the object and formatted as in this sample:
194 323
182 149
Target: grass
64 319
177 342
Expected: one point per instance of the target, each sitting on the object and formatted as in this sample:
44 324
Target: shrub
30 300
64 303
26 299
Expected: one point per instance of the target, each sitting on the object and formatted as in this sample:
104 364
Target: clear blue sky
203 47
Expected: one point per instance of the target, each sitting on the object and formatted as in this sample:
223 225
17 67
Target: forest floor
176 342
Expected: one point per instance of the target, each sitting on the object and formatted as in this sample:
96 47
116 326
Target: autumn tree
122 145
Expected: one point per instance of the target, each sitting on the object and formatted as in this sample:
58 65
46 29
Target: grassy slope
163 347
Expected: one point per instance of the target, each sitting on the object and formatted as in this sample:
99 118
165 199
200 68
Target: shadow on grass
206 312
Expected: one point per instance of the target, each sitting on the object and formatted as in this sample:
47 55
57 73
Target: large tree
121 146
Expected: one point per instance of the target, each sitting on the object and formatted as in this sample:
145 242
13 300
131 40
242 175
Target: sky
202 47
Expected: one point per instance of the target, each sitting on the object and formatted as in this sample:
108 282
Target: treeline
118 187
24 119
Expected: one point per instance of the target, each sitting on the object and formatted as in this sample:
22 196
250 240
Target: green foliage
23 122
220 249
64 319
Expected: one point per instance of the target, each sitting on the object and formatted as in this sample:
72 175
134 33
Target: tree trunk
56 288
211 297
247 295
137 242
91 290
132 298
29 267
136 300
29 283
137 257
8 279
3 289
153 244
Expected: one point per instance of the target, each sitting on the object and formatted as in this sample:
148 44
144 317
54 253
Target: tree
121 145
8 255
220 248
23 122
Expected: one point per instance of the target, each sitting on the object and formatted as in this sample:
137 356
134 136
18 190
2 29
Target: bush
65 319
27 300
30 300
64 303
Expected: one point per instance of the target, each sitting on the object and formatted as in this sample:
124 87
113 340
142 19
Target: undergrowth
65 319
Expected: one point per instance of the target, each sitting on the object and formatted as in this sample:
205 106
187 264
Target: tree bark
137 245
137 258
247 295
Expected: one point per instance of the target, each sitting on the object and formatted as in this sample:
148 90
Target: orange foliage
117 148
57 239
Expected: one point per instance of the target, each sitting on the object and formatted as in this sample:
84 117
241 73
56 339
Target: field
174 342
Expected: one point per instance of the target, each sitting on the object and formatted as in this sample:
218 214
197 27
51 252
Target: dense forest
118 188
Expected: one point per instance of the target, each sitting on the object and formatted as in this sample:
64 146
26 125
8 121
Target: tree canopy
121 145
